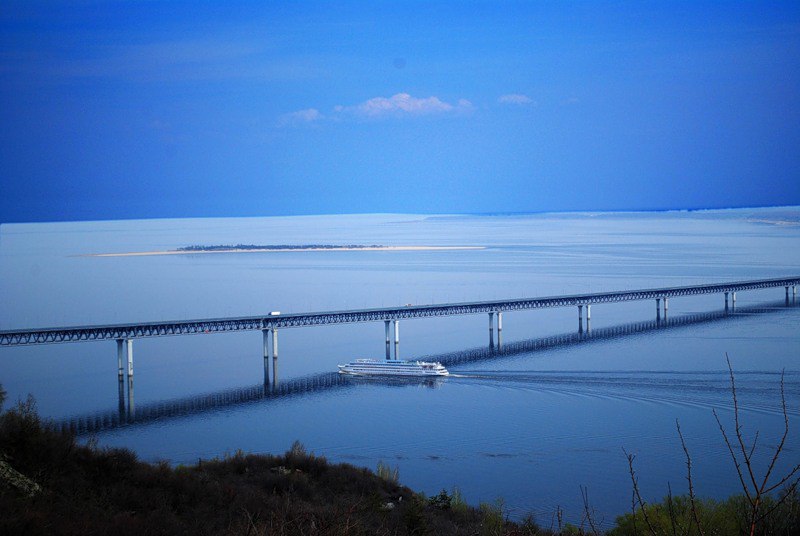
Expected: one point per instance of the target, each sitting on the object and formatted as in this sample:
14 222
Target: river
529 423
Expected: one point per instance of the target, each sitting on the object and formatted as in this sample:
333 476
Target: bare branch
739 436
635 482
671 510
783 480
633 512
733 457
588 511
689 478
755 442
790 490
783 439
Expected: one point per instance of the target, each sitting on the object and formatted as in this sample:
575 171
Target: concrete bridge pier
658 309
129 344
388 339
733 301
491 330
588 317
580 319
120 354
396 339
265 338
666 306
499 323
787 295
274 344
726 302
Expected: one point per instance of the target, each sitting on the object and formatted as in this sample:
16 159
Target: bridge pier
580 319
588 317
274 344
129 344
733 301
491 330
265 335
787 295
726 302
120 354
396 339
388 339
499 323
658 309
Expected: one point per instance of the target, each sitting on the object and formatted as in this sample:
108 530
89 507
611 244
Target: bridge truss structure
271 322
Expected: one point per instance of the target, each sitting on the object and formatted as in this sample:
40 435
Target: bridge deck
186 327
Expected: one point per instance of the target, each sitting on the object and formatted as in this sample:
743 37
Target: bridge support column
388 339
491 330
733 301
274 344
588 317
787 295
120 354
794 292
666 306
265 335
499 322
580 319
396 339
726 302
129 344
658 309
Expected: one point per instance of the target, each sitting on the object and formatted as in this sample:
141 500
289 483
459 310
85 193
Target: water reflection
590 335
128 414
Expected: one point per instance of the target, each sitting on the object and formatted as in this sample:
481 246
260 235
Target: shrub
391 475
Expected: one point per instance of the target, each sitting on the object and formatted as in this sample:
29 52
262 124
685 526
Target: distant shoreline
271 249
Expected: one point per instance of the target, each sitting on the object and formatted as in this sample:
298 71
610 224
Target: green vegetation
674 515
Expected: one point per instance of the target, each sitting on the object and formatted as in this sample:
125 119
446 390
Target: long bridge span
269 324
131 415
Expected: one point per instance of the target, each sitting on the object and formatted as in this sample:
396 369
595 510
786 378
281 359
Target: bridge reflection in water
129 415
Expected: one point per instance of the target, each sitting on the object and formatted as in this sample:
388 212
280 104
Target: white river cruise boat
392 367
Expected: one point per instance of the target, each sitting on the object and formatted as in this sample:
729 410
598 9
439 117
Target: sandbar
279 250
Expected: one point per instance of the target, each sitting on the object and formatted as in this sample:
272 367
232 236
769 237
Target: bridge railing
273 322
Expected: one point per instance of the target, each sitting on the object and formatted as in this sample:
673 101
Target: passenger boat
392 367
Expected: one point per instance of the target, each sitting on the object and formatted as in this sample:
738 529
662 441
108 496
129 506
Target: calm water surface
529 422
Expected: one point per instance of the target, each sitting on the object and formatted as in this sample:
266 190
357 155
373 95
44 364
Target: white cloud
403 104
399 105
515 98
309 115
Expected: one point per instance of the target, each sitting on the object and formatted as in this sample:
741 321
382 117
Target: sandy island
278 250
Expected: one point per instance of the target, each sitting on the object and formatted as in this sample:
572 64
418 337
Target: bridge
127 414
269 324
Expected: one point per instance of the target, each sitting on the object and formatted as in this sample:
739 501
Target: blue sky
178 109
